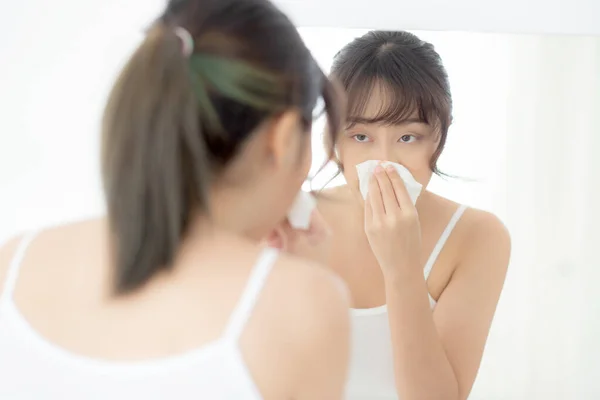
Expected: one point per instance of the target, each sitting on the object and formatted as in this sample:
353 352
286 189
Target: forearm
422 369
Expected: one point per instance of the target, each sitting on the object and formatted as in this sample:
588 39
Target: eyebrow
352 121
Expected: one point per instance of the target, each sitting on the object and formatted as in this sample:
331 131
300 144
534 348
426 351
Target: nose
383 151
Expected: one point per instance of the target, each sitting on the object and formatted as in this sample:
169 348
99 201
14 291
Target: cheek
350 157
418 160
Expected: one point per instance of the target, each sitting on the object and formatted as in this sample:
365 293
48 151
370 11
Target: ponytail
154 161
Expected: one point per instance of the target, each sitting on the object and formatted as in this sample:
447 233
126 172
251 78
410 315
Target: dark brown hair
173 122
407 71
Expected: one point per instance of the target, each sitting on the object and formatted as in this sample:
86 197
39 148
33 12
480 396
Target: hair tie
187 40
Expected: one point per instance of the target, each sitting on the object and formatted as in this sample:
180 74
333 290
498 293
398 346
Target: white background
515 16
525 132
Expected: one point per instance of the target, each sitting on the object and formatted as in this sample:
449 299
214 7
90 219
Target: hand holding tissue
392 226
306 234
366 170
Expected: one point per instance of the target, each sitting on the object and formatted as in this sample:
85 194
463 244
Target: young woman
206 142
424 280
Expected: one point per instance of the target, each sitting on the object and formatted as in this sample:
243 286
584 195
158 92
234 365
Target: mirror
523 145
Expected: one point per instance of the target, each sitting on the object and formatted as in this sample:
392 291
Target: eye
361 138
408 138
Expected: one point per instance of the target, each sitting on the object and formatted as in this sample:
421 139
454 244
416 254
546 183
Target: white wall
58 61
515 16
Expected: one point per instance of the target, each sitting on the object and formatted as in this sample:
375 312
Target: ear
284 138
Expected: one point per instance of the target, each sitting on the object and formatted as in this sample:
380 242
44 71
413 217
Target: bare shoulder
48 242
303 314
316 293
480 237
475 226
486 240
311 301
483 226
318 329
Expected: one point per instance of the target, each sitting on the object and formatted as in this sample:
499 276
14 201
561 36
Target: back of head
406 71
175 119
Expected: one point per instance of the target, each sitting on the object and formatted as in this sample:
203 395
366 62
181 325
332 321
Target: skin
436 354
158 320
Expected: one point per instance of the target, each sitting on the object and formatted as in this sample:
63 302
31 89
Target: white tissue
366 169
301 211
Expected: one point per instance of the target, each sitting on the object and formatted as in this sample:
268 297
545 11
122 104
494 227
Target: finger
387 191
404 200
374 196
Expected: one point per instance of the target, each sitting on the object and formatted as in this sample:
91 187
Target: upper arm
325 331
7 252
465 310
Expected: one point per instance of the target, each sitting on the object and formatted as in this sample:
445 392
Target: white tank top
32 368
371 375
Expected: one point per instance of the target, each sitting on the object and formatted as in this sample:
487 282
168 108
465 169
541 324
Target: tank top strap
12 272
243 310
442 240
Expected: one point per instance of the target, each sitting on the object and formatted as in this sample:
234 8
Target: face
411 144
